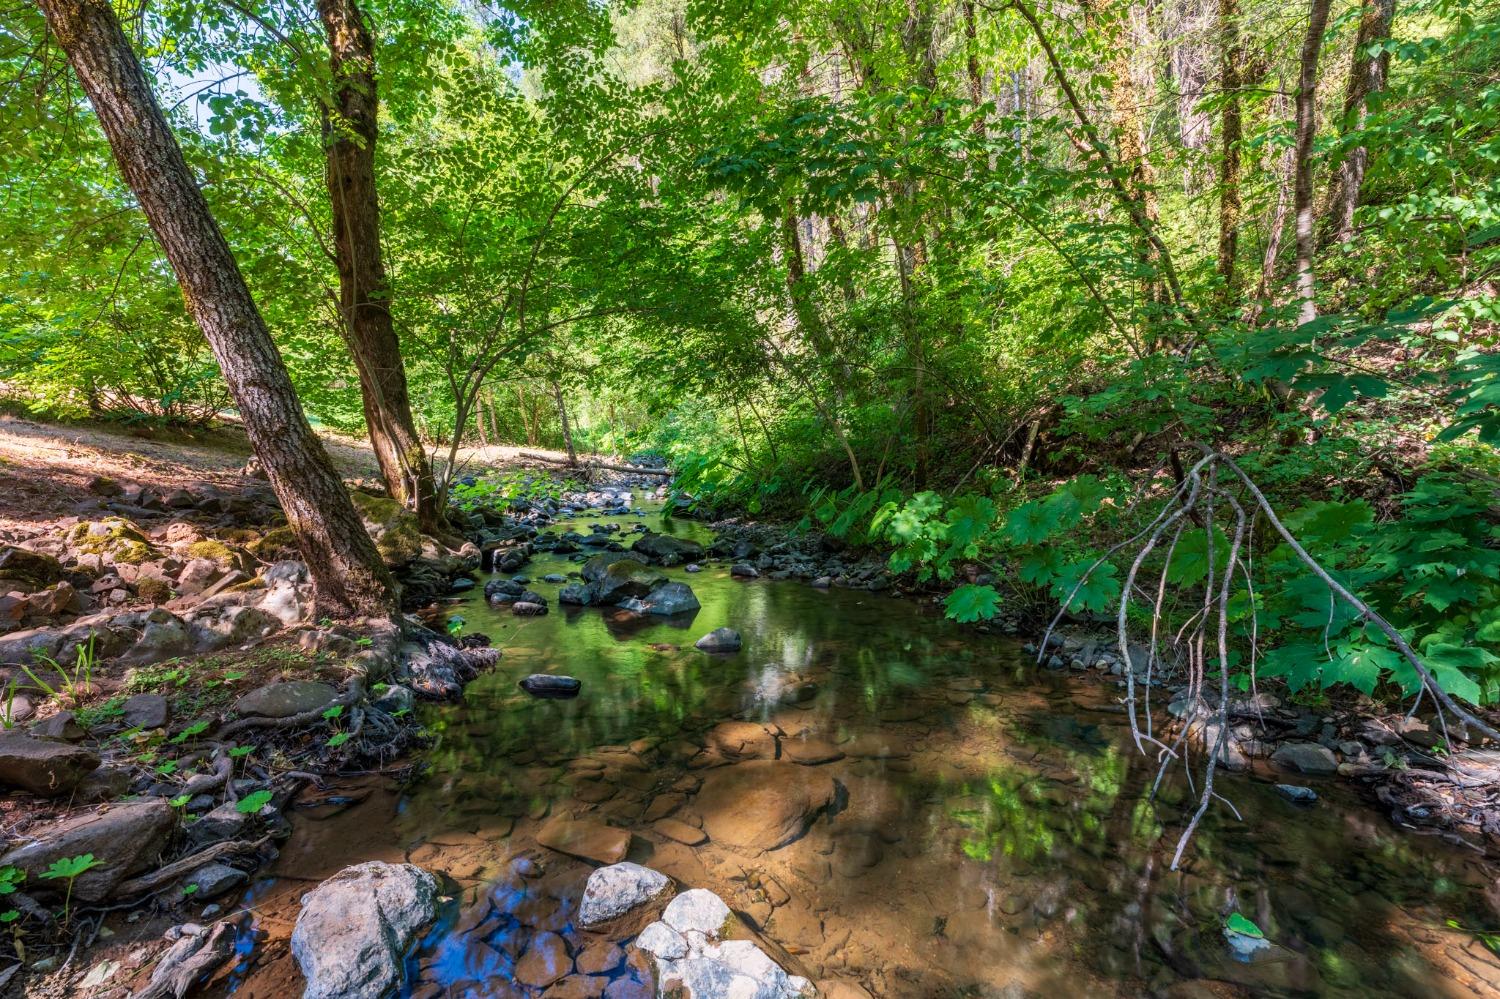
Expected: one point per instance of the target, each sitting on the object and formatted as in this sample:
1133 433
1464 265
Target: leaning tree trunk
350 130
1302 182
1367 76
562 416
346 570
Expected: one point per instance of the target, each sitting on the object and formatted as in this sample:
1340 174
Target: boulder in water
664 549
354 929
719 640
552 687
615 890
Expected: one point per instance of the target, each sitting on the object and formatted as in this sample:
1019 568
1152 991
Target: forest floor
46 467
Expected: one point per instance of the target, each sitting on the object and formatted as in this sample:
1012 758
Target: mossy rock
394 528
27 571
275 544
214 551
153 590
113 538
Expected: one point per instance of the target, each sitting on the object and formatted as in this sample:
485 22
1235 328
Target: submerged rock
550 686
719 640
586 839
354 929
1296 793
762 804
665 600
615 890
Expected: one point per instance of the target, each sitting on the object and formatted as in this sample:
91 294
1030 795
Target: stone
613 891
660 940
1295 793
719 640
586 839
762 804
697 910
45 768
599 957
664 549
1306 757
552 687
742 740
214 879
683 833
810 752
743 570
146 711
544 962
354 930
63 725
665 601
125 840
283 700
619 580
27 571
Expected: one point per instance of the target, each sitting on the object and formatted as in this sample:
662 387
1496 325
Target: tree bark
347 572
1302 184
1367 75
562 416
1232 128
350 130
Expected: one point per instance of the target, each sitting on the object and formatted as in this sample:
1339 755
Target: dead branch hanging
1201 496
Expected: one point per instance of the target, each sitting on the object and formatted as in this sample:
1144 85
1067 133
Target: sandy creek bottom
988 833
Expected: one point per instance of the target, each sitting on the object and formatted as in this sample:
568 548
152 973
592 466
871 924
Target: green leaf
253 802
71 867
1236 923
972 603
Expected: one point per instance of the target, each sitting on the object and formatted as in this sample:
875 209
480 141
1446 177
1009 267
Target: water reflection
987 828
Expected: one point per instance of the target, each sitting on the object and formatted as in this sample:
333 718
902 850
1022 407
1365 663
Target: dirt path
45 468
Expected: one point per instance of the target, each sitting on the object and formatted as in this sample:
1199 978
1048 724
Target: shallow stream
989 833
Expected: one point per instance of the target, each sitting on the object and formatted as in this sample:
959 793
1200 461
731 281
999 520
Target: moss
398 538
216 551
114 538
153 590
273 543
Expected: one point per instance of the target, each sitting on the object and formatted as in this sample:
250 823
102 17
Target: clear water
1003 847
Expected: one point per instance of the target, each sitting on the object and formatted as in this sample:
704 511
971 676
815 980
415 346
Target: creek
989 834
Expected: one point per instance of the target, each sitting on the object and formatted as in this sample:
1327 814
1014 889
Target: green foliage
253 802
1237 923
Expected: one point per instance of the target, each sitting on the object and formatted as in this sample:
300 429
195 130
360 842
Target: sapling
70 868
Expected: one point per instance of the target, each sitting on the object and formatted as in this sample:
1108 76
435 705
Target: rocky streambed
887 805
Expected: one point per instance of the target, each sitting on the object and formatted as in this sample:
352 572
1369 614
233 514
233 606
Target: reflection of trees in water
1026 816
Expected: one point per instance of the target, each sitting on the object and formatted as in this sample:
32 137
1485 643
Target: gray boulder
282 700
1306 757
45 768
615 890
354 930
125 840
664 601
664 549
719 640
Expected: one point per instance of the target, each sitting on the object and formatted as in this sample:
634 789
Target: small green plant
10 879
70 868
455 625
337 739
189 889
196 728
180 801
238 752
253 802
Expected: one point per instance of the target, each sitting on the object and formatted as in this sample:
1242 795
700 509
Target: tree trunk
347 573
971 69
350 129
1302 185
1367 75
562 415
1232 127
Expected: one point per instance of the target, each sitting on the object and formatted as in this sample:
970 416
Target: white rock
698 909
661 941
613 891
354 929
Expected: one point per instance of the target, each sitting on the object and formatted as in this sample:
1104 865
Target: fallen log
595 463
